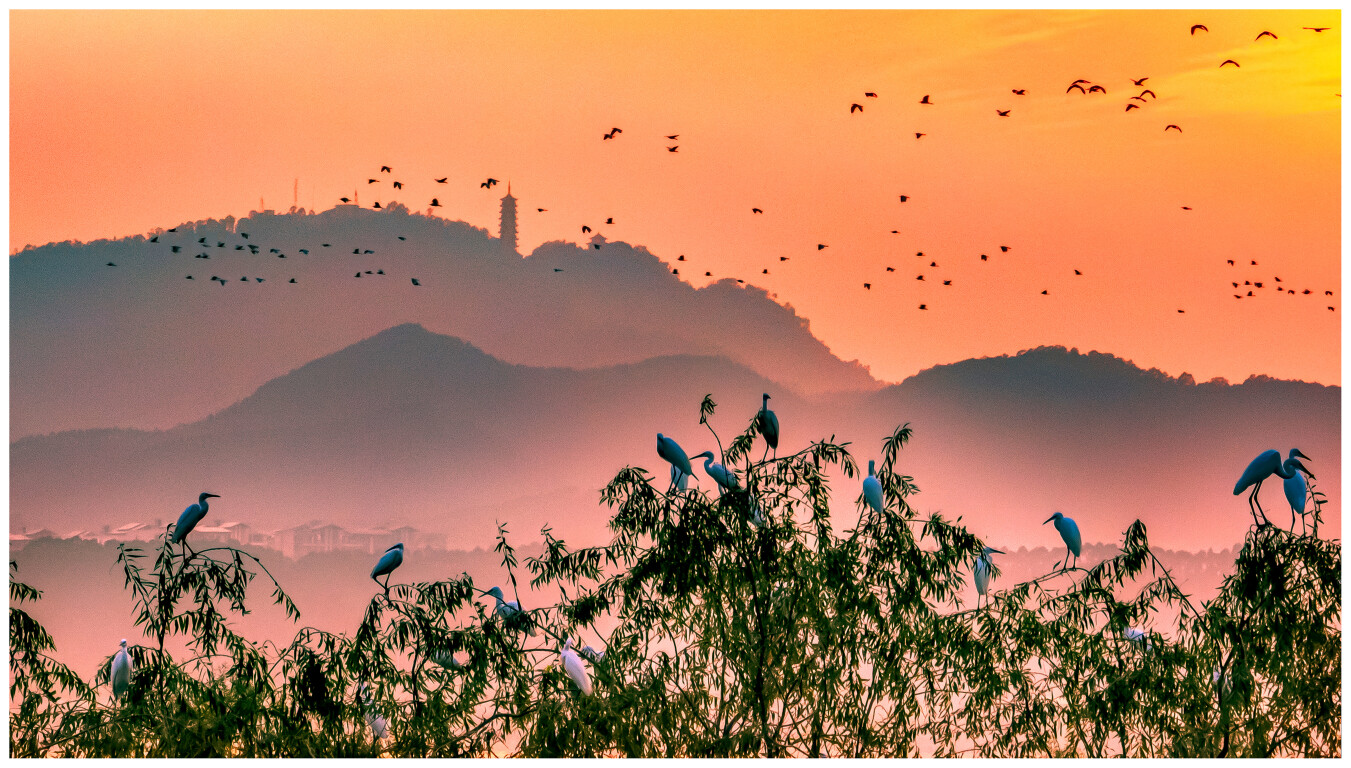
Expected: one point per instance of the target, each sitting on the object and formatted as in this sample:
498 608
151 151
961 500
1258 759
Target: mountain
410 426
138 345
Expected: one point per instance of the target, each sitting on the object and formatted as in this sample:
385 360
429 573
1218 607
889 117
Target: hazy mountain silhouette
414 427
141 346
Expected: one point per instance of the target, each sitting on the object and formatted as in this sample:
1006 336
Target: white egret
392 559
1138 636
379 726
445 659
981 571
591 655
510 611
1266 464
768 424
120 672
872 489
572 665
191 517
671 451
1069 531
726 480
1297 493
679 480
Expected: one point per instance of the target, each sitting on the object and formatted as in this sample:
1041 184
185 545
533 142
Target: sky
122 122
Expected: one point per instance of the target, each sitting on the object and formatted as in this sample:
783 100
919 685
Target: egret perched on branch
119 675
445 659
768 424
1297 493
591 655
981 571
1138 636
572 664
872 489
393 558
725 480
1266 464
1069 532
191 517
510 611
379 727
671 451
679 480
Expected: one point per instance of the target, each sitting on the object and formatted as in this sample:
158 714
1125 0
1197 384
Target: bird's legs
1255 505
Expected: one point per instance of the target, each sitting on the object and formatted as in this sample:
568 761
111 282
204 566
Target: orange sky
126 121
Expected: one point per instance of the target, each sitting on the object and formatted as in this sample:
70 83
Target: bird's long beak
212 495
1000 551
1297 452
1049 519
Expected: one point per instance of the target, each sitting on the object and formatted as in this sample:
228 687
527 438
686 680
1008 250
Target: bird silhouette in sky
344 200
1318 29
919 135
372 181
676 148
398 185
1097 89
292 280
904 198
1265 33
1129 107
189 277
947 282
377 204
1186 207
783 258
1229 61
983 257
1077 272
1004 248
674 137
925 100
415 281
585 229
819 246
1150 92
441 180
855 108
682 257
1019 91
1075 85
489 183
111 264
1201 27
891 269
436 203
385 169
923 306
1045 293
610 220
1172 127
1003 112
176 248
867 286
870 94
541 210
1139 82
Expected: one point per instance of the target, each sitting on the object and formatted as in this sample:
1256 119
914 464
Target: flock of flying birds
1248 289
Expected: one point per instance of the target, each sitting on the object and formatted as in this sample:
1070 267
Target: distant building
507 231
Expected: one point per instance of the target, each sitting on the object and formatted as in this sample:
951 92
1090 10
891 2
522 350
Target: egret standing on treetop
768 424
1265 465
393 558
872 489
510 611
572 664
1297 493
981 571
1069 532
120 672
191 517
726 480
671 451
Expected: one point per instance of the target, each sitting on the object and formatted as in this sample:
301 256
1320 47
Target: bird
610 220
1171 127
947 282
867 286
415 281
372 181
1265 33
392 559
112 264
119 674
489 183
398 185
189 277
1077 272
1188 208
377 204
612 133
855 108
820 246
1045 293
1096 89
981 571
1229 61
155 239
679 480
1003 112
891 269
925 100
585 229
1069 532
1129 107
1148 91
541 210
1182 311
176 248
1004 248
671 451
379 726
590 655
572 665
1296 492
1019 91
292 280
870 94
220 280
726 480
919 136
401 237
385 169
756 210
983 257
1266 464
923 306
195 512
768 423
1138 636
674 137
676 148
1201 27
436 203
872 489
904 198
1315 29
441 180
1075 85
1139 82
511 612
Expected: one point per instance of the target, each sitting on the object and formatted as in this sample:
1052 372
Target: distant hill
410 426
138 345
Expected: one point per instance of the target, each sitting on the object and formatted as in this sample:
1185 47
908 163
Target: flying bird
415 281
398 185
385 169
1315 29
855 108
919 136
1075 85
344 200
1129 107
1045 293
392 559
870 94
436 203
923 306
1003 112
674 137
1004 248
1265 33
377 204
904 197
1097 89
585 229
1201 27
867 286
756 210
1020 91
925 100
441 180
1077 272
1151 93
819 246
541 210
610 220
372 181
1172 127
1229 61
1139 82
676 148
489 183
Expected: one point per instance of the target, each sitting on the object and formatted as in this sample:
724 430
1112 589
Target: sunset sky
122 122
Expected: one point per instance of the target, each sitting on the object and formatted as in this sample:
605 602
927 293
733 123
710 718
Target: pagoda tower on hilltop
507 231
